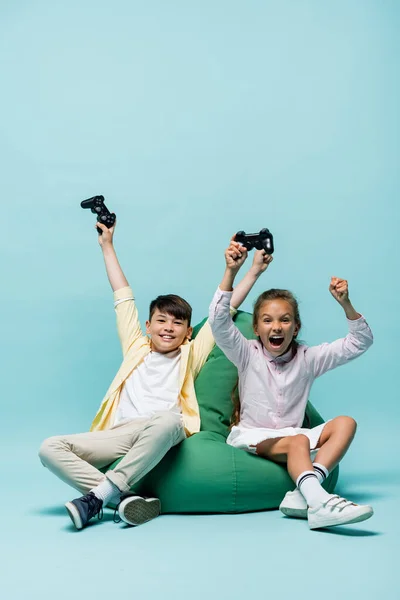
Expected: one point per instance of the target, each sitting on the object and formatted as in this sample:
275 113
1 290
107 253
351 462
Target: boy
150 406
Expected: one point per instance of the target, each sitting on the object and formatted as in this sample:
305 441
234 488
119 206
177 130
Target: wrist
232 271
350 311
346 304
107 246
255 272
226 284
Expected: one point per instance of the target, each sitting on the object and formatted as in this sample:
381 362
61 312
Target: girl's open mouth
276 341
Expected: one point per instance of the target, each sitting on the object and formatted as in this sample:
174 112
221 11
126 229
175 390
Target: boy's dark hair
172 305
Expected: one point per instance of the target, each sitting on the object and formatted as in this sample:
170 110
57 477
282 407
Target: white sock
320 471
312 490
107 491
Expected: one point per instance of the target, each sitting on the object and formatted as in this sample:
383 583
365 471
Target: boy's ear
189 333
147 326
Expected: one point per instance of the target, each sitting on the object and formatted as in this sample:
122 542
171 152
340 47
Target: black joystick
260 241
97 206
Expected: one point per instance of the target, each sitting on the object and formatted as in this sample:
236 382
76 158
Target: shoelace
116 512
95 506
338 502
115 518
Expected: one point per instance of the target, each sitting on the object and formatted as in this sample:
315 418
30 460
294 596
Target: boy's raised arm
115 274
128 324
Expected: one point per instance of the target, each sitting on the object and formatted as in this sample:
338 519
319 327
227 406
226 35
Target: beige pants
76 459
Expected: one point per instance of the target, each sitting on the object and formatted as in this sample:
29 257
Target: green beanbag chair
203 474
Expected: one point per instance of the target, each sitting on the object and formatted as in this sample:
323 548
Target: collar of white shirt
278 359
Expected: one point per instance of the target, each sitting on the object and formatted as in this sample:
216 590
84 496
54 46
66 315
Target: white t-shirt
152 387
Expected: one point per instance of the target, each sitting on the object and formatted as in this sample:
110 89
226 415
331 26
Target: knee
297 442
166 421
347 425
47 449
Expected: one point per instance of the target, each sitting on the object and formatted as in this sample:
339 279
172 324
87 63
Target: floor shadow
95 522
70 527
49 511
61 511
346 531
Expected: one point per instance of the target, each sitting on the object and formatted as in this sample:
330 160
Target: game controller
97 206
260 241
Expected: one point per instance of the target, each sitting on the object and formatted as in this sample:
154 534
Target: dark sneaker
136 510
82 509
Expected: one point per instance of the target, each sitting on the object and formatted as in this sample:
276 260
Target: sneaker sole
136 511
74 514
358 518
294 513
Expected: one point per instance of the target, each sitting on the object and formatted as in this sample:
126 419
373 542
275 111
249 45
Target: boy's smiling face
276 326
167 332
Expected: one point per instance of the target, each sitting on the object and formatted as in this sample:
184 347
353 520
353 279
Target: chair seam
234 481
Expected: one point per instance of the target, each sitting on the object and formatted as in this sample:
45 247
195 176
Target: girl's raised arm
327 356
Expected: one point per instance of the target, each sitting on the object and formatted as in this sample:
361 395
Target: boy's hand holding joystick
104 216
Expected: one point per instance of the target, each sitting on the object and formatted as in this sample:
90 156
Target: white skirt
247 439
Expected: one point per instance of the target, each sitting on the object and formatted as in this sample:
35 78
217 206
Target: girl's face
276 326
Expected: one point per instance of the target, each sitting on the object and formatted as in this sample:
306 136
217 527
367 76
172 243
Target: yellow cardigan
135 347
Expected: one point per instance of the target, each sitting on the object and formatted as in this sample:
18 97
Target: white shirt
152 387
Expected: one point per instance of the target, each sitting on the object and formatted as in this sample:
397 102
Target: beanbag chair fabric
204 474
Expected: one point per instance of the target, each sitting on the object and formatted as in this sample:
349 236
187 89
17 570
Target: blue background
195 120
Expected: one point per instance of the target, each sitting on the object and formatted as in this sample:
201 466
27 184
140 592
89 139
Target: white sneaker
294 505
337 511
136 510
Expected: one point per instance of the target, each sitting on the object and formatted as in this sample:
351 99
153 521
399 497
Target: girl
275 376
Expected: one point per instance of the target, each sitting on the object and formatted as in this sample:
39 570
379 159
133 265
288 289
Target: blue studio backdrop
194 120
